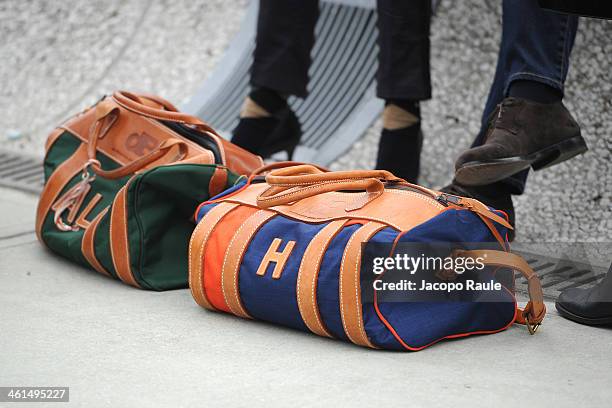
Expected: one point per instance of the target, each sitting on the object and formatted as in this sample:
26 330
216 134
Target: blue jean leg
536 46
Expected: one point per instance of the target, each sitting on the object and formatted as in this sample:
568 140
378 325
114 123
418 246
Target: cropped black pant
285 37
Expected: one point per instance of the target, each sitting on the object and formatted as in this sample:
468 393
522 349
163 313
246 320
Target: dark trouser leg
285 36
403 40
403 81
535 46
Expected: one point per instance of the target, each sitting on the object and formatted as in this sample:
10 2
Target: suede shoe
521 134
494 196
592 306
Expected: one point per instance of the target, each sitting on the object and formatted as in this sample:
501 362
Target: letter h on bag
272 255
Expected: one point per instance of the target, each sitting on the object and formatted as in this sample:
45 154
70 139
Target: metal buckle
533 328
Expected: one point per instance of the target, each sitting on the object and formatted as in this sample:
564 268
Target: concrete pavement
114 346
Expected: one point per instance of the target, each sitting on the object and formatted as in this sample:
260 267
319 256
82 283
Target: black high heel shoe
269 135
285 137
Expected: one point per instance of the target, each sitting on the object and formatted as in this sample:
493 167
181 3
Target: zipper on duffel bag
196 136
449 200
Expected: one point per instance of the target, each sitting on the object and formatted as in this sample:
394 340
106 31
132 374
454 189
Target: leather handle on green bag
164 110
535 310
106 115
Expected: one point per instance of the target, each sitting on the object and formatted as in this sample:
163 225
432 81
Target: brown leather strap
482 211
306 174
197 248
233 259
119 242
155 101
279 165
535 311
106 113
350 285
87 244
135 103
217 182
164 148
373 188
56 183
308 274
295 183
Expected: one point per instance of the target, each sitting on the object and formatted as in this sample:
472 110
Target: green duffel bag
122 181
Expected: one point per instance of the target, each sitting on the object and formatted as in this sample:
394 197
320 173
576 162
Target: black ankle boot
588 306
281 131
399 151
285 137
251 133
495 196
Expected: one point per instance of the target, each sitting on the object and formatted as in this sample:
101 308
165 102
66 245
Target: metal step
560 273
21 172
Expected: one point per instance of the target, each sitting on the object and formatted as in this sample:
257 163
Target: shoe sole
478 173
599 321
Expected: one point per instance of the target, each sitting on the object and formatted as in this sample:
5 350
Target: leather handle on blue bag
281 195
294 183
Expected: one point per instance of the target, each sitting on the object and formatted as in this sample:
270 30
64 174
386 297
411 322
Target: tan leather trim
308 274
128 123
119 242
56 183
197 247
350 285
115 143
217 181
138 104
237 159
535 309
389 208
203 158
233 258
52 138
87 244
134 125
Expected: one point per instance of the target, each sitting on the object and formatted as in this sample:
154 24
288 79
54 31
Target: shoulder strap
535 310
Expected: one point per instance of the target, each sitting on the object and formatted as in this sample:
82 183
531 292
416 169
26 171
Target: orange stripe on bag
197 247
350 285
214 254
